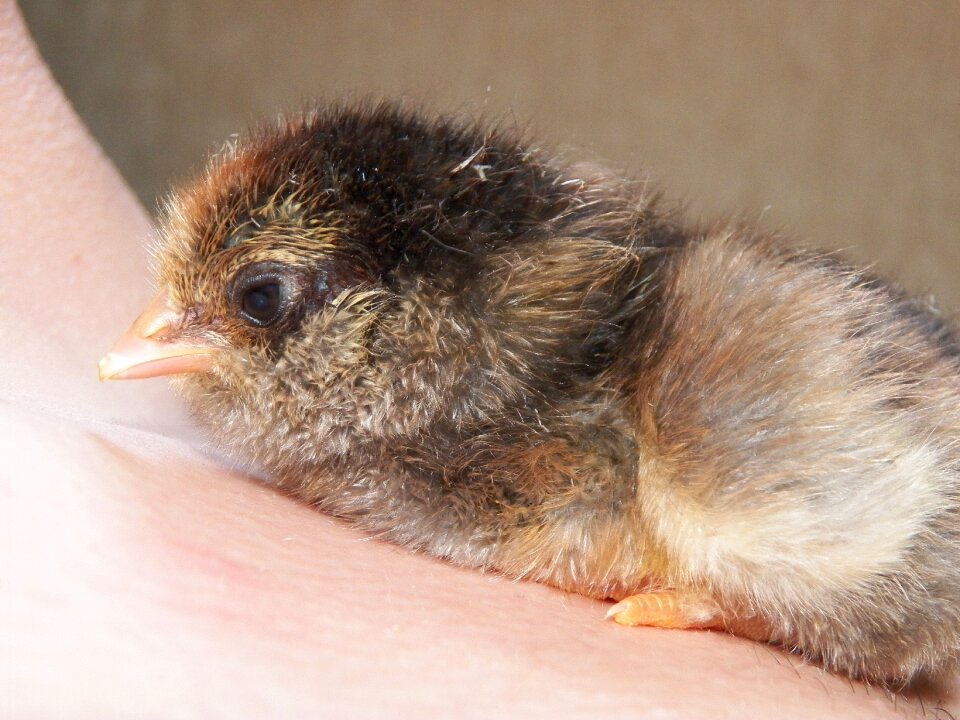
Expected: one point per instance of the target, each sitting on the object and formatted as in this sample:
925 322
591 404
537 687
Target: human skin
142 577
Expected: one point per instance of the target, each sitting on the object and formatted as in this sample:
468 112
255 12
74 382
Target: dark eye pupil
262 303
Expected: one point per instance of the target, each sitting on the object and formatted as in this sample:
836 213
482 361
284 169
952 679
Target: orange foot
667 610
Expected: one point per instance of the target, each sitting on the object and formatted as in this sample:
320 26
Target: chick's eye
261 304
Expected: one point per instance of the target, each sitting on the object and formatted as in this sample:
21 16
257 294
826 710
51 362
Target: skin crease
145 579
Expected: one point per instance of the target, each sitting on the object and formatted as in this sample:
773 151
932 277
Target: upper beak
147 350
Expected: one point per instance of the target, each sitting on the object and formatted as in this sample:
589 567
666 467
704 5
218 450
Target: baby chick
472 348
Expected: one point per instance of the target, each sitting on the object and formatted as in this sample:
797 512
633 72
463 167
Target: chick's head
276 265
268 275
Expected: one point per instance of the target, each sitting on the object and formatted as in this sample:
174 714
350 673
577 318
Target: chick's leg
667 609
685 611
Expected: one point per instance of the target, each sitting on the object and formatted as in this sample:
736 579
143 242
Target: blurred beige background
839 121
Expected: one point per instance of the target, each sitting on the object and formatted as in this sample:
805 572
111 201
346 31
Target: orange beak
147 350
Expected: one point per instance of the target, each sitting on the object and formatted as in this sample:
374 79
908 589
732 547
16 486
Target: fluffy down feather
526 365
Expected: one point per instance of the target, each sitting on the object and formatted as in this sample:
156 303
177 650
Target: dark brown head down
469 347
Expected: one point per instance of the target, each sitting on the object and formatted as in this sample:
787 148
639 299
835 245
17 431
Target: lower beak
147 349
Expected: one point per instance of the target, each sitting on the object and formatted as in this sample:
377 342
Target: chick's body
524 365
